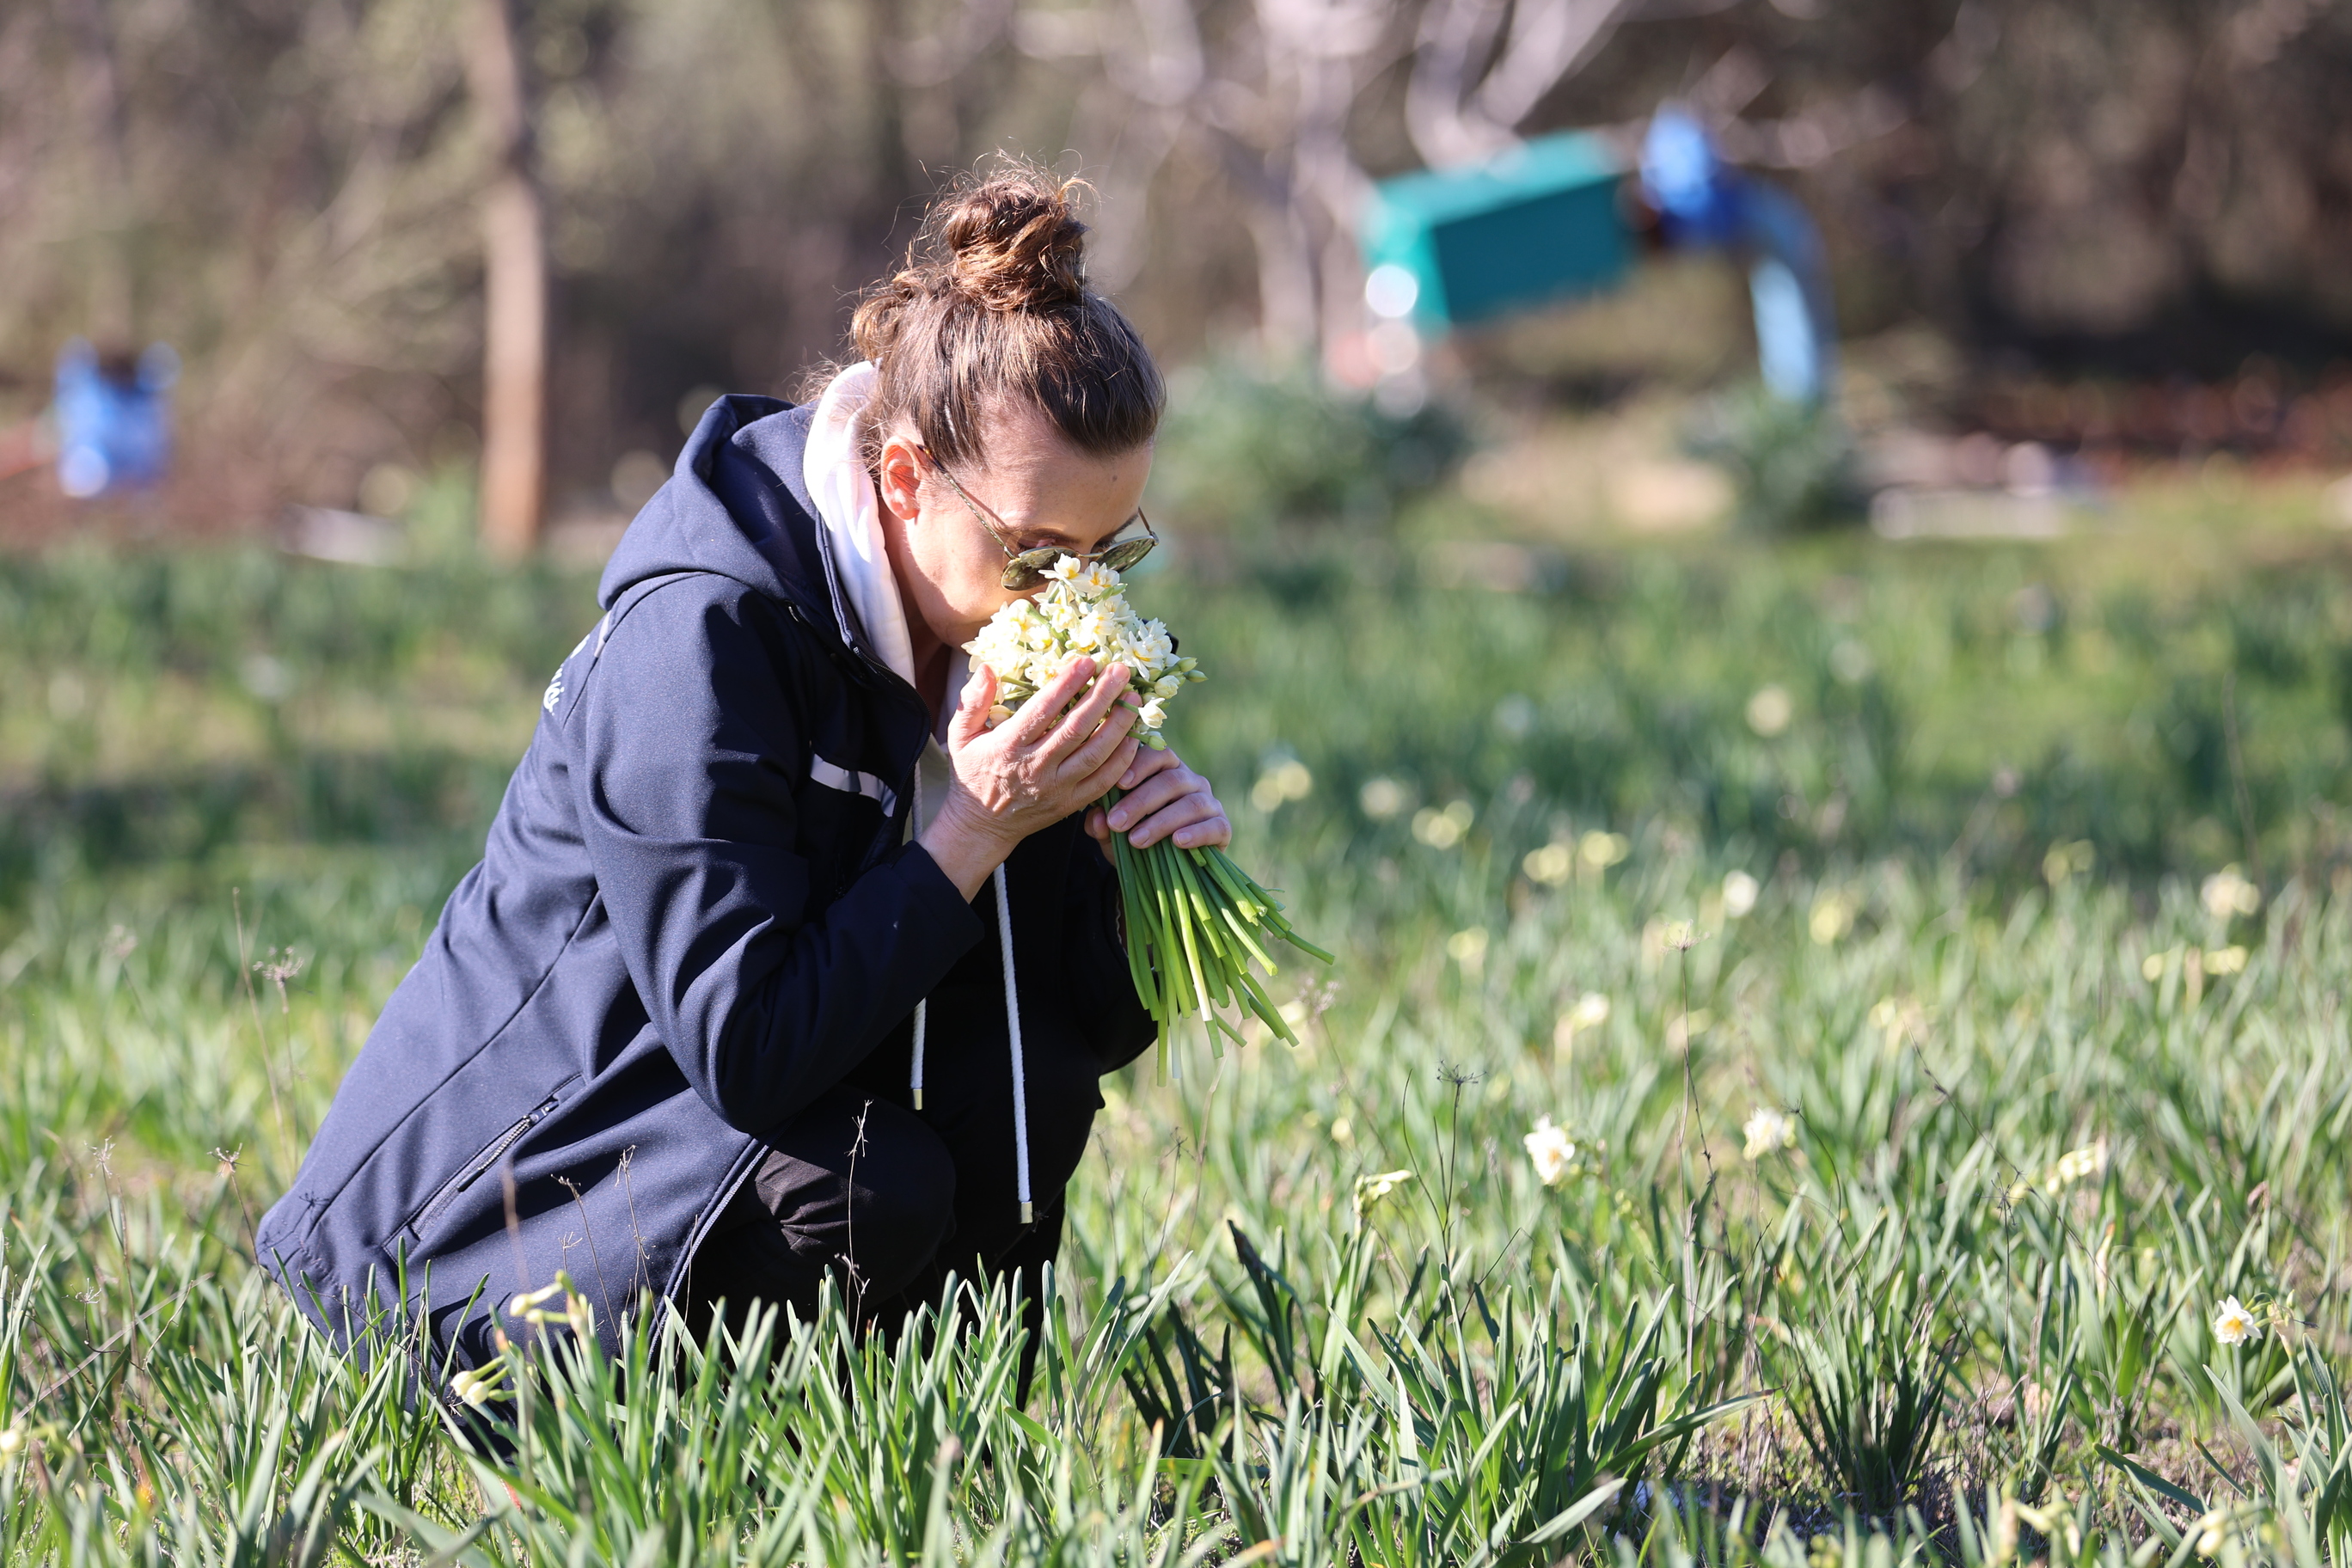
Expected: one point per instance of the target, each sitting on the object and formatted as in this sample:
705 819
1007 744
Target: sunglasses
1024 569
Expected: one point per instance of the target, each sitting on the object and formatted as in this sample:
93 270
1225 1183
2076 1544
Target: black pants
864 1190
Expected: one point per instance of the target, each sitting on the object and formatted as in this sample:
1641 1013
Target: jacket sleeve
1102 987
691 748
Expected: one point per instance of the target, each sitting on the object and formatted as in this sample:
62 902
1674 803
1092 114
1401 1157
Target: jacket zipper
474 1168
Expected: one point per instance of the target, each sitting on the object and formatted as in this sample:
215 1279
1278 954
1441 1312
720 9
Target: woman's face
1039 489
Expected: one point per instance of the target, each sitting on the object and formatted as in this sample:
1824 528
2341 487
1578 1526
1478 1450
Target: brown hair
993 303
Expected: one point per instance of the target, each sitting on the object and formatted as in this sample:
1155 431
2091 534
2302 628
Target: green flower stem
1196 922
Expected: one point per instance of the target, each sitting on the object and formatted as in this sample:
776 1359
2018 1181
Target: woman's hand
1164 799
1032 769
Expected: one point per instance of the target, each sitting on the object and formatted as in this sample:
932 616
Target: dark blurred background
2115 226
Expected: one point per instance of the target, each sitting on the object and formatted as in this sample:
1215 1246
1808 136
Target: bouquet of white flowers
1194 919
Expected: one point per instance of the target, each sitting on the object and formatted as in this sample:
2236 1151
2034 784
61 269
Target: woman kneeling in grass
781 961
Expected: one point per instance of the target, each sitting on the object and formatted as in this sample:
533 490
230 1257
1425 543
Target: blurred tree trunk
110 305
514 295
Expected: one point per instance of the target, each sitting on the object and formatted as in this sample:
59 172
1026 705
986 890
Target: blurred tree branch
307 200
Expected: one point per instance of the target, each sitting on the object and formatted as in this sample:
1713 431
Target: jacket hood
738 504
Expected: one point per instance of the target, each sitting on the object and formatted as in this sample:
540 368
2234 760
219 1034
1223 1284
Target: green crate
1539 221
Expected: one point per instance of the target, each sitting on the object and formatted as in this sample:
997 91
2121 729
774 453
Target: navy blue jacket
696 911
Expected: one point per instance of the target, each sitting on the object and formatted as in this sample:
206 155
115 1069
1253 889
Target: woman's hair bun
1012 241
993 303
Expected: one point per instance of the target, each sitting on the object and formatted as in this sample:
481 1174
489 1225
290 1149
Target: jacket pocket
473 1170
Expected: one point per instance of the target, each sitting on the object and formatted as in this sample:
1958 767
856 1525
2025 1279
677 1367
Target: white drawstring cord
922 1007
915 826
1013 1028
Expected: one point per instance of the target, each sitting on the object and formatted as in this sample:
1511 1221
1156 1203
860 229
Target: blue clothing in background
114 425
1703 203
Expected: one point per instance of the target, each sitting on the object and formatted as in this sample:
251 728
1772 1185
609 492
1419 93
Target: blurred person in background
784 963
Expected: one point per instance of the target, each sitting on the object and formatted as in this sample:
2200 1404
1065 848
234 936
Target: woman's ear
899 475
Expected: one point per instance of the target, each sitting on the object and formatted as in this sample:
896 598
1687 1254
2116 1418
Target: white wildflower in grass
1286 779
2068 860
2226 961
1551 866
2235 1324
1739 891
2226 892
532 1306
1468 949
1769 711
1195 922
1370 1190
1769 1130
1551 1149
1590 1010
2212 1532
477 1388
1444 829
12 1442
2087 1163
560 1302
1833 917
1603 850
1382 798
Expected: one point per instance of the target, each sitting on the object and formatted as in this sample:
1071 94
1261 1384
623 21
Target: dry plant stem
260 1039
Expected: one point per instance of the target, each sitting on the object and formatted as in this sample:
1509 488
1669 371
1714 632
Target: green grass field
1932 962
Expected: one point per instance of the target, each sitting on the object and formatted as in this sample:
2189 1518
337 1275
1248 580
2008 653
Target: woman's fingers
1147 763
1155 792
1097 749
1068 746
1194 821
1088 718
1037 717
970 720
1097 784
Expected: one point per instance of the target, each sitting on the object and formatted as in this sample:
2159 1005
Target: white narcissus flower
1153 644
2212 1534
1739 890
1370 1190
2086 1164
1769 1130
2234 1325
1081 611
477 1388
2226 892
1551 1149
532 1306
1094 580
